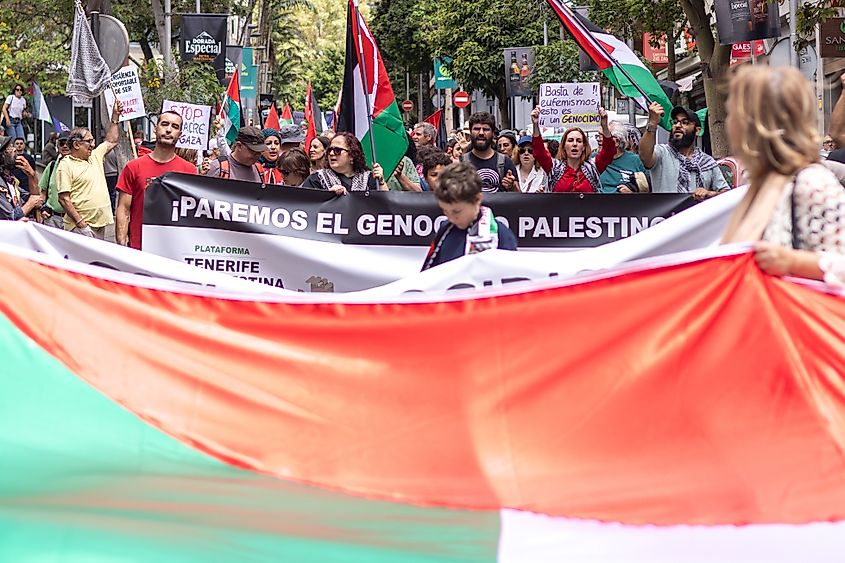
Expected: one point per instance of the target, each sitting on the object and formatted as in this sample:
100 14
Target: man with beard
139 174
495 169
12 205
680 166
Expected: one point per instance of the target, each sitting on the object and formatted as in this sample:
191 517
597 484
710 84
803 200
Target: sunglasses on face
523 150
18 89
336 150
63 143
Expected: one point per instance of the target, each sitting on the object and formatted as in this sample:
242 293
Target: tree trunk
715 78
504 106
671 67
158 17
715 65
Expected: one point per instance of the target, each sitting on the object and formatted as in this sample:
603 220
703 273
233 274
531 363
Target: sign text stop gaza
195 123
569 104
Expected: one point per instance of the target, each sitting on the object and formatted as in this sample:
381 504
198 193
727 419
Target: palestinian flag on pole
313 116
287 116
365 72
231 108
185 424
622 67
272 121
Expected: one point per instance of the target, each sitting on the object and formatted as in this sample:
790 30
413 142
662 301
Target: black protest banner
203 39
396 218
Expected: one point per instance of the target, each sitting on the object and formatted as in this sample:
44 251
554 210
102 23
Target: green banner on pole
442 76
249 73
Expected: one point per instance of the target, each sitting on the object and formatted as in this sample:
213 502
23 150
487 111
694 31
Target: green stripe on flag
82 480
391 139
646 81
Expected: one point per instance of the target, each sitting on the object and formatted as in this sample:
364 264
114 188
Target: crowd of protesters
82 191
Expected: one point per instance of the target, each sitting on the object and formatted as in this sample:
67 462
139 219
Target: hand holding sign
126 87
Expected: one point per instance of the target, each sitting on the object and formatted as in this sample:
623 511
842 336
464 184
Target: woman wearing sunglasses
347 171
13 112
532 178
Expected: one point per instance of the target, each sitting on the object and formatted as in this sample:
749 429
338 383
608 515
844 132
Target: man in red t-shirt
139 173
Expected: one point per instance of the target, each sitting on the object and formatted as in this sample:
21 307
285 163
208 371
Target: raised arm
608 144
541 155
655 114
113 132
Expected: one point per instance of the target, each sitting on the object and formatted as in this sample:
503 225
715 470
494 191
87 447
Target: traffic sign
461 99
407 105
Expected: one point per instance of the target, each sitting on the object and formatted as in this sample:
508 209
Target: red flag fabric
698 393
434 119
287 115
272 121
311 133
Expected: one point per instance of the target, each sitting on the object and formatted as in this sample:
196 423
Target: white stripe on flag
538 538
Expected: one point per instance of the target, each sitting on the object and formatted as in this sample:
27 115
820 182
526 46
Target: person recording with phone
12 205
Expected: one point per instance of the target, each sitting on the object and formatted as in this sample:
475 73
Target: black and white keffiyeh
696 163
88 74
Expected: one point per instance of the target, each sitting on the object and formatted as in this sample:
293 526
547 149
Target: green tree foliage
34 43
558 62
195 83
309 43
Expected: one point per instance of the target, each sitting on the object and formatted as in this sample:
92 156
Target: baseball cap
252 137
64 135
291 134
691 115
524 140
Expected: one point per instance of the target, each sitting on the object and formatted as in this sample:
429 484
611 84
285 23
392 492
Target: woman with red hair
572 170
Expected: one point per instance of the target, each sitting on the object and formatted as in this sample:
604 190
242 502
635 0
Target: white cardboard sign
569 104
195 123
127 86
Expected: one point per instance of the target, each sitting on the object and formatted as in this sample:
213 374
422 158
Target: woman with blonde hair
794 210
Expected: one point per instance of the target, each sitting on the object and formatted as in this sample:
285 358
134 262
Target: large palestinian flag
365 67
619 64
693 412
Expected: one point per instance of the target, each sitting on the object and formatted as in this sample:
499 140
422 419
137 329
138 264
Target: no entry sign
461 99
407 105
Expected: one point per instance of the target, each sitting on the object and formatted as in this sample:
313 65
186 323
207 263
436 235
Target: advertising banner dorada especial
305 239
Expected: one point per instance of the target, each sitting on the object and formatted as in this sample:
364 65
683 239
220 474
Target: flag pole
577 22
363 67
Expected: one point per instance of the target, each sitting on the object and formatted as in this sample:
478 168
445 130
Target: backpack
225 172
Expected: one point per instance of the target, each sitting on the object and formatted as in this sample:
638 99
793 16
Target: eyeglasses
336 150
18 89
681 122
523 150
86 141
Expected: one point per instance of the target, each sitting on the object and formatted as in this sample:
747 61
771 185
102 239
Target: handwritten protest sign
195 123
569 104
128 89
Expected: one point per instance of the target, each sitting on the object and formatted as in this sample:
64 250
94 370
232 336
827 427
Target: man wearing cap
81 182
242 163
680 166
290 137
139 173
52 212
